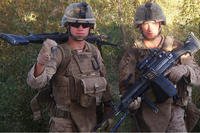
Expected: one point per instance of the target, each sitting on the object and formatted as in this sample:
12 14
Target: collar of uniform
85 49
140 44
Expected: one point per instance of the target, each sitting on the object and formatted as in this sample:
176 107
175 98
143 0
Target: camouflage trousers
62 125
177 123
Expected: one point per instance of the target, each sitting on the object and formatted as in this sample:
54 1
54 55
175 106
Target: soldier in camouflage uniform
76 73
174 115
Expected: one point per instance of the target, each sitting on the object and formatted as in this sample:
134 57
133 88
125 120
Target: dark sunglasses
84 25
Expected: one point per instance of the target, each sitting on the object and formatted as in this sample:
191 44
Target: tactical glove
177 72
45 52
135 104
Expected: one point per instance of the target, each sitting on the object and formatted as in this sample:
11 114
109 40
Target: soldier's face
150 29
79 30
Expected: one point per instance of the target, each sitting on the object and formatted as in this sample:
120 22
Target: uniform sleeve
193 69
127 68
49 71
191 65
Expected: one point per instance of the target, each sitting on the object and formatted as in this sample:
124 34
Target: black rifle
152 68
58 37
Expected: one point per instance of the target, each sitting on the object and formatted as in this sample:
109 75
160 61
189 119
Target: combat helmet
78 13
147 12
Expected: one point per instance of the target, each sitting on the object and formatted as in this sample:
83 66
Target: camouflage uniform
171 115
79 89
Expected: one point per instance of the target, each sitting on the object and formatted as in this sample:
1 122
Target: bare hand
135 104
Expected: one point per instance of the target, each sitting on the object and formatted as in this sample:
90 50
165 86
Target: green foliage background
114 18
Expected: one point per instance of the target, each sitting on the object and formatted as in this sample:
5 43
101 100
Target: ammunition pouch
93 88
83 89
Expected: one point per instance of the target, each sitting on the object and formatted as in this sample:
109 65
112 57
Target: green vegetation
114 18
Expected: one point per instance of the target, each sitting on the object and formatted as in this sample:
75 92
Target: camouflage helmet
147 12
78 12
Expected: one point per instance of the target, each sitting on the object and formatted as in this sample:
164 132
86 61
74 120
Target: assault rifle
152 68
15 40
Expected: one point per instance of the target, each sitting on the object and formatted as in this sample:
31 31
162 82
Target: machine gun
152 68
15 40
